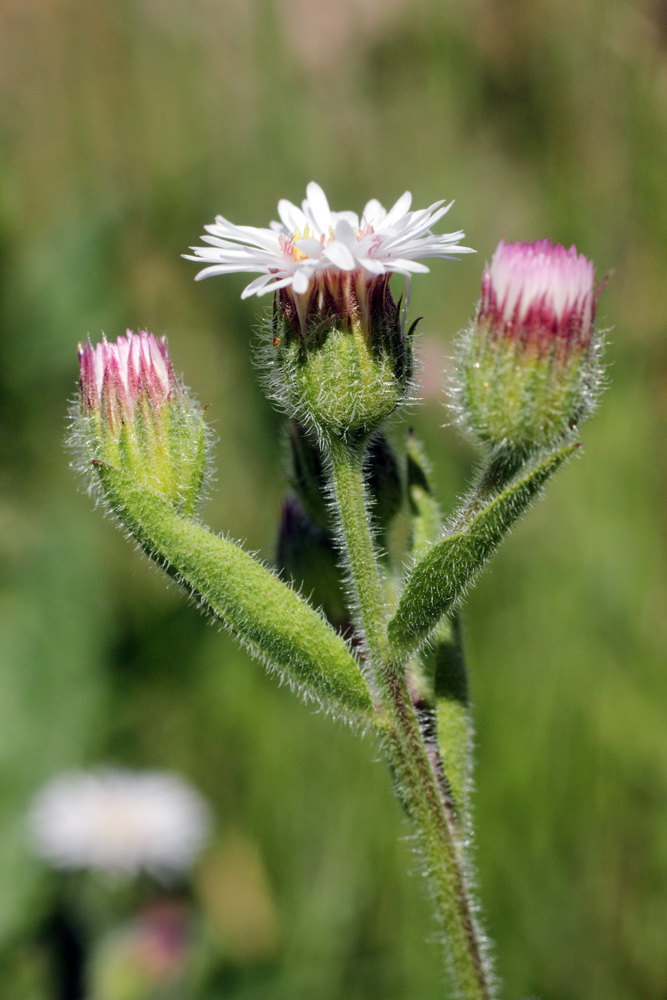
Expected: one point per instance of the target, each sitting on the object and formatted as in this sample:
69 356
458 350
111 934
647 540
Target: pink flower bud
528 369
537 294
115 376
135 415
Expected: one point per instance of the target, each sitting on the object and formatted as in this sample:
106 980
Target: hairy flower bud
528 368
341 360
134 414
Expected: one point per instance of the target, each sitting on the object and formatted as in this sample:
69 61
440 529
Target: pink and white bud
528 368
539 293
134 414
117 375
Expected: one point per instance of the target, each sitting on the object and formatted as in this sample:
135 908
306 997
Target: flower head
118 376
120 822
311 240
541 294
134 414
528 368
340 361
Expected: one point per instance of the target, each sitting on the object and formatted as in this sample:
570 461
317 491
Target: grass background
124 127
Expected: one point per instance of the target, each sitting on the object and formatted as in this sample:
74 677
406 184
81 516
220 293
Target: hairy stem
501 466
351 508
404 743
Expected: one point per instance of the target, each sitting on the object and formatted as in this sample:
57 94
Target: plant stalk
405 745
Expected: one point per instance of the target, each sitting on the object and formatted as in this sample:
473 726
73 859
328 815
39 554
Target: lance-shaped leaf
426 517
444 663
442 575
439 671
269 617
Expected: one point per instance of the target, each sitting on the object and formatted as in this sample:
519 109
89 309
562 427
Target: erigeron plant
379 642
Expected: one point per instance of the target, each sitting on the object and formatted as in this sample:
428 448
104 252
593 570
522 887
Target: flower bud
341 360
528 368
134 414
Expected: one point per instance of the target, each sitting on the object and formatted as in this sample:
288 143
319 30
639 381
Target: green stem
501 467
350 495
405 745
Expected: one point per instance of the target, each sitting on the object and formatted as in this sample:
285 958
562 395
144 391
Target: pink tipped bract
135 363
538 290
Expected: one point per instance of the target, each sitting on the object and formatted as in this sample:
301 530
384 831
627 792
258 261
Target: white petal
371 243
274 286
208 272
350 217
374 266
397 210
319 207
434 246
250 235
402 264
312 248
291 215
234 263
302 280
255 286
421 222
340 255
345 233
374 213
237 251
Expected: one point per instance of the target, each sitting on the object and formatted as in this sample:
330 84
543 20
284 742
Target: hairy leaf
442 575
269 617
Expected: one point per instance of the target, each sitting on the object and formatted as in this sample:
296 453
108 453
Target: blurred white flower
119 822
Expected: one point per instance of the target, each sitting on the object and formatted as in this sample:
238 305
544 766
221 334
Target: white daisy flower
312 239
119 822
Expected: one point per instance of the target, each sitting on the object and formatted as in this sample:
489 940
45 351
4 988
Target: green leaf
426 517
444 663
439 669
269 617
448 567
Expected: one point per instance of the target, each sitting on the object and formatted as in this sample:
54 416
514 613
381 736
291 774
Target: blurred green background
124 127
